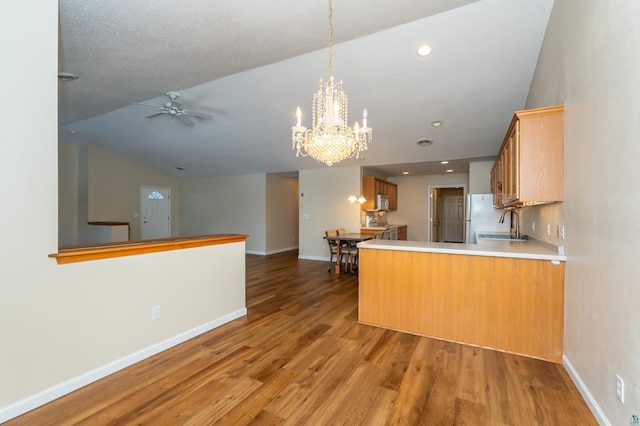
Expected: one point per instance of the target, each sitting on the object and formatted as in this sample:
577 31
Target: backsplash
375 217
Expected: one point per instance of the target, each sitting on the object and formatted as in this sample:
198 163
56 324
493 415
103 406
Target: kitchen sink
501 237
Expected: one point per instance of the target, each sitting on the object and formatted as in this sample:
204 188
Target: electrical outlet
533 226
620 388
155 313
562 232
548 229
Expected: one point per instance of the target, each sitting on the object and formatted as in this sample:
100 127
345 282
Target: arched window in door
155 195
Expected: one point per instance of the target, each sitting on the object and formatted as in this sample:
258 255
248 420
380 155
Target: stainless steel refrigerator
481 216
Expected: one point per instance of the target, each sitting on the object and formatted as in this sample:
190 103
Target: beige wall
67 194
226 204
96 185
323 197
590 62
114 190
281 213
413 201
64 325
480 177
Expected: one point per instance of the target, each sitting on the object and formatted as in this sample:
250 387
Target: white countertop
531 249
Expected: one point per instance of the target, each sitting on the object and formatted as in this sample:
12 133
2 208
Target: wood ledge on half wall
87 252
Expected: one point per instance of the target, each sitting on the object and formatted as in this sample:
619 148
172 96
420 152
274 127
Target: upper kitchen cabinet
528 169
372 186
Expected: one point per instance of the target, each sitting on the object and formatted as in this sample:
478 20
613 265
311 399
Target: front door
155 212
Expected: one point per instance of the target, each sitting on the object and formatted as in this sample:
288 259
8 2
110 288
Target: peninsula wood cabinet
461 298
528 169
372 186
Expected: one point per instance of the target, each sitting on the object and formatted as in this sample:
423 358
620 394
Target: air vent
424 142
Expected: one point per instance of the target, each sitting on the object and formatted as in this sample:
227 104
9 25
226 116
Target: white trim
430 207
584 391
29 403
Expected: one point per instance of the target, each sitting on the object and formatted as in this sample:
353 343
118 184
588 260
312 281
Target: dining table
351 237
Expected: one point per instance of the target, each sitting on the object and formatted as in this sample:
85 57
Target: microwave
382 202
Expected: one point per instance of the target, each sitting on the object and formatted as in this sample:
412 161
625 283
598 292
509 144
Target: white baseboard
584 391
324 259
282 250
34 401
267 253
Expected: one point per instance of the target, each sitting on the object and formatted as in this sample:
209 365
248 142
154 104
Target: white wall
323 197
590 62
227 204
413 201
65 324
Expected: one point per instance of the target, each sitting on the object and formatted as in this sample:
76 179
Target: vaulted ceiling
249 64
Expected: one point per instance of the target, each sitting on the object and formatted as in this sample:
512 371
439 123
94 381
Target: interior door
453 218
155 212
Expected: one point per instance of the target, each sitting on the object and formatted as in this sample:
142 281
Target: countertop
531 249
381 227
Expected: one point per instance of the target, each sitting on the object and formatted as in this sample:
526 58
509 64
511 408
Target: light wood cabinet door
402 233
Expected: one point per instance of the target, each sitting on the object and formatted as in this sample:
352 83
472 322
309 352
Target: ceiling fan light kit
174 108
330 140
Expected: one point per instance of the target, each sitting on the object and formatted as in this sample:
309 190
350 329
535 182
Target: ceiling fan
174 108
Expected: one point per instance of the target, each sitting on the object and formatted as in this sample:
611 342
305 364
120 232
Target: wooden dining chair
334 249
350 250
352 257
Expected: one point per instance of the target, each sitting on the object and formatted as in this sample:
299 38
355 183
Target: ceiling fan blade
147 105
185 120
197 114
156 115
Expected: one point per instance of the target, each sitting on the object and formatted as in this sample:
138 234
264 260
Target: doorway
446 214
155 212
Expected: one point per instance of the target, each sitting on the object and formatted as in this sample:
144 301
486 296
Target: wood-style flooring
300 358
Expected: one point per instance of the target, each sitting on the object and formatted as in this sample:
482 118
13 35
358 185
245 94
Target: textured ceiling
249 64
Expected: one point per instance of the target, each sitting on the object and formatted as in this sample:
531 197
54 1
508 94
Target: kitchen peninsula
501 295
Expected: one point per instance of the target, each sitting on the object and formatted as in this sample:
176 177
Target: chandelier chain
330 37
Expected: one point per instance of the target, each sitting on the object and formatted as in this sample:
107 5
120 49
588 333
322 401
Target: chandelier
330 140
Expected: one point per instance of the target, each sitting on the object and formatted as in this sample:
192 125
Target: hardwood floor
300 358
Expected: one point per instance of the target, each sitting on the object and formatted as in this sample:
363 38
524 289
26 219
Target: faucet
515 234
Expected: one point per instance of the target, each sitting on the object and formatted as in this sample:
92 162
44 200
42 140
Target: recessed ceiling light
436 123
405 173
424 142
424 50
67 76
73 132
450 170
179 168
444 162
